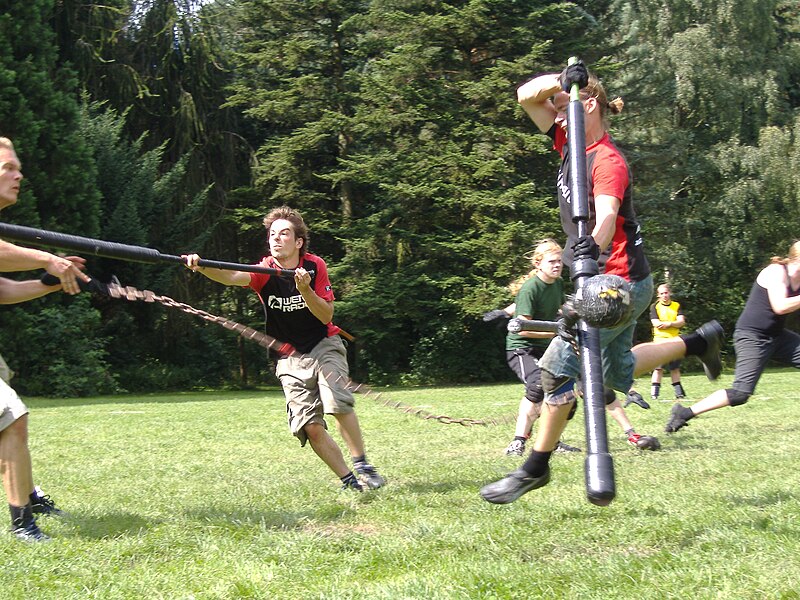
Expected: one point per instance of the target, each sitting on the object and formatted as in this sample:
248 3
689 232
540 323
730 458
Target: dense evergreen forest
393 126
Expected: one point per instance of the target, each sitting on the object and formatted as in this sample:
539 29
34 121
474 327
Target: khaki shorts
315 385
11 407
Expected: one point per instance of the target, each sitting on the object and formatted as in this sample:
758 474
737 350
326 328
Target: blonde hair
6 143
595 90
793 255
547 246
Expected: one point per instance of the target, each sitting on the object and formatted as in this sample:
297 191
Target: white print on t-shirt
289 304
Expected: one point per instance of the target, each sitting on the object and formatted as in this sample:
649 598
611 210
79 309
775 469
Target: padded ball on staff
603 301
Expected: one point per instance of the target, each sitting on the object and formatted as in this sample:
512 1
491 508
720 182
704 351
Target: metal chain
267 341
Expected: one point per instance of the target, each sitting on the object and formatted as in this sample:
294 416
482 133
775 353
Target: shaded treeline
393 126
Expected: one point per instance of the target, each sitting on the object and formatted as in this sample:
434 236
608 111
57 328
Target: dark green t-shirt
541 302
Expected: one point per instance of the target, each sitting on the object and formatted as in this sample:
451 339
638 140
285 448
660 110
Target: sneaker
680 396
515 448
29 532
566 448
644 442
678 418
369 476
512 486
635 398
714 336
43 505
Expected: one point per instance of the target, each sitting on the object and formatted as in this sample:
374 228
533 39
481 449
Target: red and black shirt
608 174
288 317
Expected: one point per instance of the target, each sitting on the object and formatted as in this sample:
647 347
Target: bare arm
606 209
773 278
320 308
223 276
13 292
534 97
68 270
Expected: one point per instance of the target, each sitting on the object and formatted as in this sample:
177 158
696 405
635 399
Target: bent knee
737 397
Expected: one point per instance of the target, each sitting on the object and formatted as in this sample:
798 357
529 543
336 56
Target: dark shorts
754 350
525 364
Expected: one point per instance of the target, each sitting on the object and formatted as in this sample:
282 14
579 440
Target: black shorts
525 364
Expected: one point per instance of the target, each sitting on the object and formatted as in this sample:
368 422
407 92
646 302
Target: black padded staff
63 241
599 466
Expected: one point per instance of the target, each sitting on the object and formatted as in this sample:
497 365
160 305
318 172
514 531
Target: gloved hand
576 73
586 247
93 285
499 317
566 323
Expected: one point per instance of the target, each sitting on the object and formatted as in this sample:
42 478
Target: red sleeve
259 280
609 176
559 139
322 284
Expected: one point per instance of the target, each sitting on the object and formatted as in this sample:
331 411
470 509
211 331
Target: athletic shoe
29 532
714 336
566 448
369 476
512 486
680 396
679 418
634 397
515 448
43 505
644 442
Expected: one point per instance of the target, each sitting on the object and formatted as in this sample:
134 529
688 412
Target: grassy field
207 495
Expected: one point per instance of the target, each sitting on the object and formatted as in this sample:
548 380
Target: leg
15 462
350 430
324 447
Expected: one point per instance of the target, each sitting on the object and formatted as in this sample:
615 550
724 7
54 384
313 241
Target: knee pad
551 383
535 394
609 395
737 397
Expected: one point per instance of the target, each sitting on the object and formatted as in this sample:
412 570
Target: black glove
566 323
93 285
499 317
585 247
576 73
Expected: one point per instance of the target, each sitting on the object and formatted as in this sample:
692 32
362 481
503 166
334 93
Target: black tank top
758 315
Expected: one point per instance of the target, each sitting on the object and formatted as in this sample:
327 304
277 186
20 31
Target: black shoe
512 486
352 485
678 418
566 448
714 336
635 398
29 532
43 505
369 476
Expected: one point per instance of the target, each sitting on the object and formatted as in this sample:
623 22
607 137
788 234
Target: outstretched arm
13 292
68 270
225 277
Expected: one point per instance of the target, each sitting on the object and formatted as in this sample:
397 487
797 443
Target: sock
686 413
350 480
536 465
521 438
21 515
695 344
360 459
678 388
655 389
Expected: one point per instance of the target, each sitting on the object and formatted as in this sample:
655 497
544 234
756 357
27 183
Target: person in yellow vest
667 318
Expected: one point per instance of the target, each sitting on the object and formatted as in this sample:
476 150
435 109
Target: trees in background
393 127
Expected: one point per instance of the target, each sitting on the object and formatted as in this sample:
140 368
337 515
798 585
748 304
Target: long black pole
64 241
599 466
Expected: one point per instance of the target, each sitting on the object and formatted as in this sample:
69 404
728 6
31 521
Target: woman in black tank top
760 336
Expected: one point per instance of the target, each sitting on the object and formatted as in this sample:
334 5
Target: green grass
208 496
